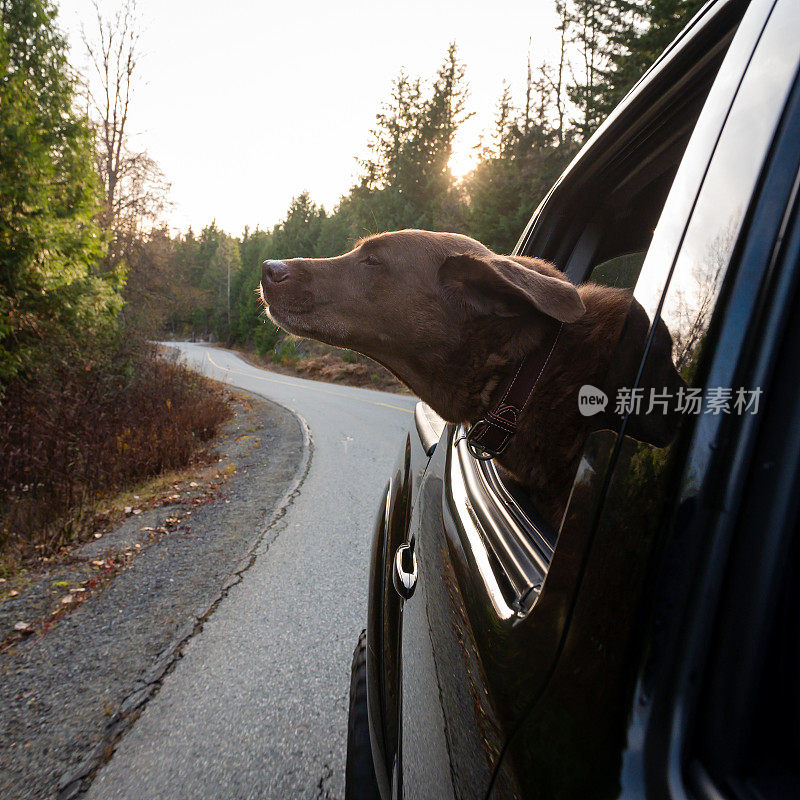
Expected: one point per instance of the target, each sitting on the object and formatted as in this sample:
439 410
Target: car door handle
405 571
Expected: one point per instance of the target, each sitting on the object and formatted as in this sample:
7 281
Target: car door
590 730
496 585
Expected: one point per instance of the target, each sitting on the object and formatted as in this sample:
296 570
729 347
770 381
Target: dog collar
490 436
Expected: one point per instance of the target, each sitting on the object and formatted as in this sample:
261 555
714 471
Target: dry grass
87 427
322 362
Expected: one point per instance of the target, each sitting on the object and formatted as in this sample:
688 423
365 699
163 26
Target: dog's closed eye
371 260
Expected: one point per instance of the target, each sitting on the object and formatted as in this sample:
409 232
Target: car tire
359 775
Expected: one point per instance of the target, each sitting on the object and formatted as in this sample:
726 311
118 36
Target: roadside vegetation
86 406
77 430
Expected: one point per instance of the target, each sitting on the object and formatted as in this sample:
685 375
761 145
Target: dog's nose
274 271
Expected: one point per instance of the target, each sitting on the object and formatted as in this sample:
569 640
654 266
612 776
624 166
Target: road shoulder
68 695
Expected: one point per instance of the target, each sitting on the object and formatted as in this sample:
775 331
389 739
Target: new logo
591 400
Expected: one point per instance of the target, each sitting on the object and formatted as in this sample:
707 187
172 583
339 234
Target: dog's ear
497 285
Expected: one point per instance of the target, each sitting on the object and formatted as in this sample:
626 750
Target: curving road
257 707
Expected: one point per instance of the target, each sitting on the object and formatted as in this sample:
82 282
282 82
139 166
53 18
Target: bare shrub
89 423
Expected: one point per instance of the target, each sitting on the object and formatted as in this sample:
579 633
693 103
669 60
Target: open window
598 221
597 225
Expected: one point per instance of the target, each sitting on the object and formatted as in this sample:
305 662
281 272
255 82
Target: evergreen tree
50 241
254 249
297 235
590 22
644 29
516 169
406 181
335 233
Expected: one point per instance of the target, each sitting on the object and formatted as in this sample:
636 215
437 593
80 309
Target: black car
648 646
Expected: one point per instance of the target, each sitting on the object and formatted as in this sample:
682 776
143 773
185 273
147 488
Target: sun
461 163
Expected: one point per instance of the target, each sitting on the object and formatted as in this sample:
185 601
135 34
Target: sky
246 104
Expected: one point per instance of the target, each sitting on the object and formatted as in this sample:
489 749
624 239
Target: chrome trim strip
430 426
475 544
498 527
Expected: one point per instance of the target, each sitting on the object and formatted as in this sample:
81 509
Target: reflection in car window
620 271
697 277
718 217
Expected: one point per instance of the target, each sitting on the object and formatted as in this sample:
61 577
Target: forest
90 272
202 283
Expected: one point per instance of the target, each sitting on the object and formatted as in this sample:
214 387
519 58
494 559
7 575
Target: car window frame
501 540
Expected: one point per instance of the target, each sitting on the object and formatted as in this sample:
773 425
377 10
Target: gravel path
67 696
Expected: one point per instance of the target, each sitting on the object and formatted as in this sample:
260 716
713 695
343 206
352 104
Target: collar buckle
482 451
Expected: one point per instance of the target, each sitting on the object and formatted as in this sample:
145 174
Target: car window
598 225
604 238
620 271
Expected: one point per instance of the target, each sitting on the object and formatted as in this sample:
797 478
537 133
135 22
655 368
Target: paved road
257 708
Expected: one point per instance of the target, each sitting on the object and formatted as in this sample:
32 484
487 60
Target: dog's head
406 291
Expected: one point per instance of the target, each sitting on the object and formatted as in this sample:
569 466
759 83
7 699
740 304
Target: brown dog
453 320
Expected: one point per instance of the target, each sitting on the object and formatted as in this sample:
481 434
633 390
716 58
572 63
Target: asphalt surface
257 706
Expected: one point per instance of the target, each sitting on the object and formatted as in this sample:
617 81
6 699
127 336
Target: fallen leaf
98 535
137 511
67 599
23 627
13 593
137 545
98 563
147 528
193 484
128 509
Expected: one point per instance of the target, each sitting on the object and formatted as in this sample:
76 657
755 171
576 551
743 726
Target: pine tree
644 29
525 155
50 241
589 20
406 182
